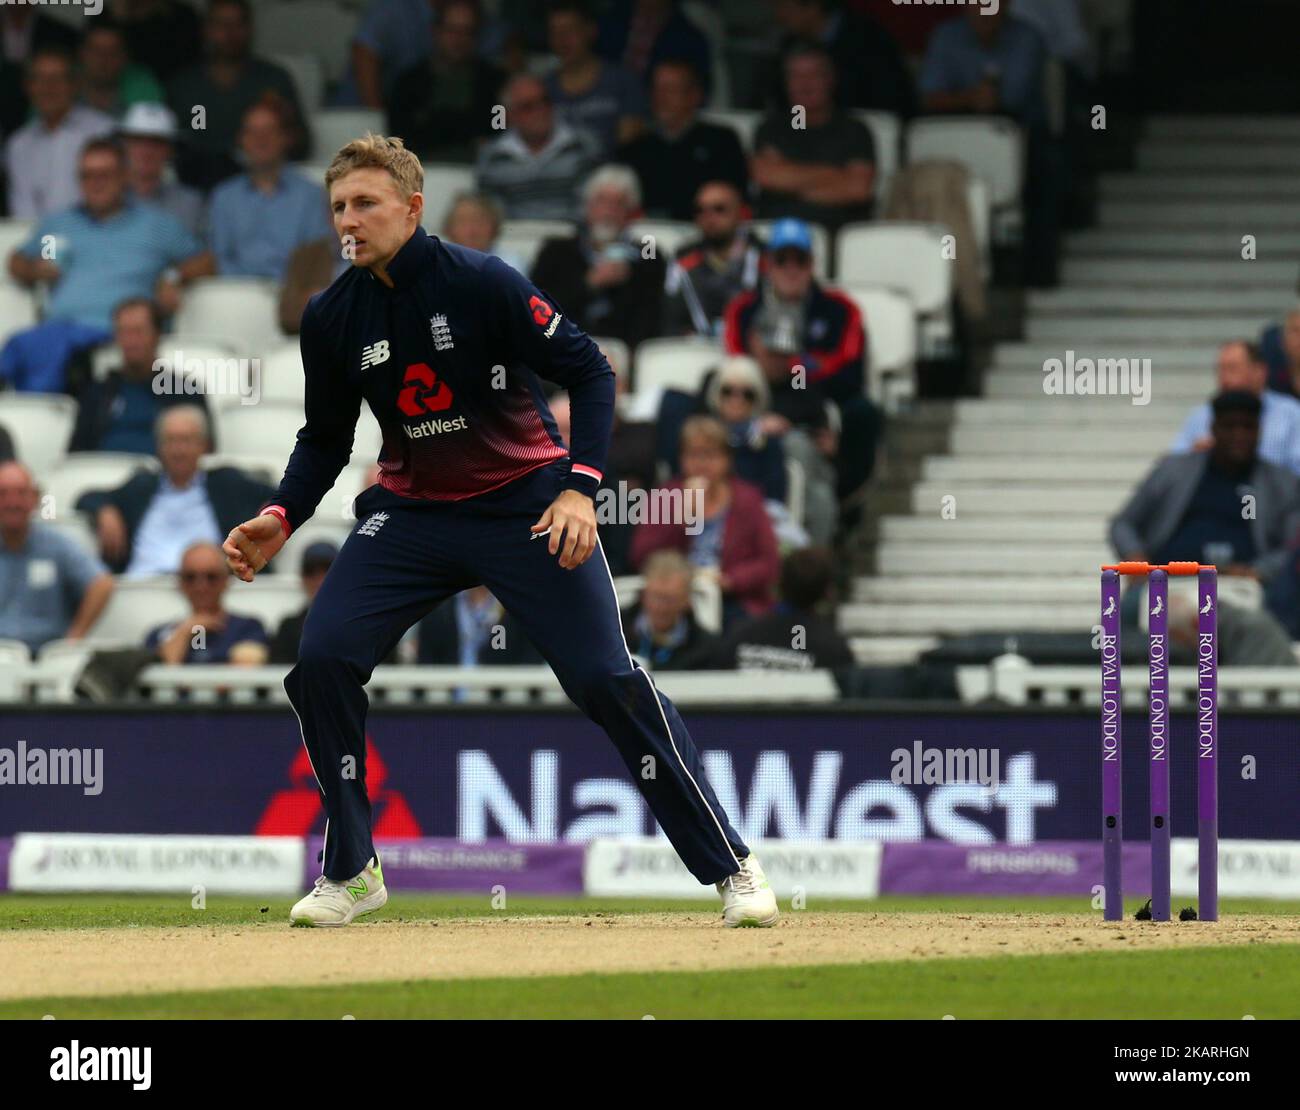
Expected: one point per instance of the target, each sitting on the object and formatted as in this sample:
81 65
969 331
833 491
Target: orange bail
1168 568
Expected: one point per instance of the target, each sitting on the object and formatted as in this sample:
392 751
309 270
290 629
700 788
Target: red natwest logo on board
422 391
542 312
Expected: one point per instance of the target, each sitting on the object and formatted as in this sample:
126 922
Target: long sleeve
325 441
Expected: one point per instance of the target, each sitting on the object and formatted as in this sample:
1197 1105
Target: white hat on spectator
149 121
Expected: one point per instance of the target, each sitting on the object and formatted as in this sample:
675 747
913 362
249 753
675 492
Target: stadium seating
308 77
706 598
890 322
442 182
40 424
887 133
17 309
244 310
265 430
674 363
83 471
709 20
524 238
13 234
991 147
666 235
332 128
283 378
324 26
742 120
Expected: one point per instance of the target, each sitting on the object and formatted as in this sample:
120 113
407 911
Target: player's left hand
572 521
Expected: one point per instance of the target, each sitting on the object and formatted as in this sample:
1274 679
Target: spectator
209 634
1241 366
1060 25
873 72
1191 507
50 588
261 216
25 30
41 157
442 106
229 81
600 276
110 82
474 630
312 267
533 170
148 134
709 272
474 221
1280 348
120 411
810 343
730 537
164 36
681 153
588 93
799 634
639 34
1246 637
145 525
824 171
661 627
316 561
108 249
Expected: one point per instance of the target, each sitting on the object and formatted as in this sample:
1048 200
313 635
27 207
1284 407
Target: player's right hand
253 544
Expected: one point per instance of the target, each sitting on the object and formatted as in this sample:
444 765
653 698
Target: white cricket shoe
334 903
747 899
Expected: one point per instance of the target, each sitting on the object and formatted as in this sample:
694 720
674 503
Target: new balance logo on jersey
374 522
441 333
374 354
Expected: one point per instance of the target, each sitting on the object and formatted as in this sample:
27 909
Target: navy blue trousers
392 571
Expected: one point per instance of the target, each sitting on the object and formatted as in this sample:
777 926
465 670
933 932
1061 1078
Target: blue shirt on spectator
253 233
615 94
216 645
956 60
135 411
1279 431
175 519
110 260
42 584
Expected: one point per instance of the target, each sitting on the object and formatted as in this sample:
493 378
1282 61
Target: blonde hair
379 152
739 368
705 429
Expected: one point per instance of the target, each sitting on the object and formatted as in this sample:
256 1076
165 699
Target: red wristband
277 511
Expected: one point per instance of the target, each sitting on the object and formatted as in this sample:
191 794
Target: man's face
147 158
717 213
569 36
608 210
227 33
103 56
1236 438
1236 371
262 139
181 443
665 599
18 499
808 82
203 578
530 112
50 88
368 206
103 181
137 337
790 272
456 36
674 96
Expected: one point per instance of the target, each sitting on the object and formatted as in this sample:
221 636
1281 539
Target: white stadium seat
14 232
312 171
665 235
674 363
325 26
332 128
308 77
887 132
821 245
268 597
742 120
40 424
890 322
616 351
282 377
136 606
17 309
991 147
266 430
442 182
246 310
90 470
524 238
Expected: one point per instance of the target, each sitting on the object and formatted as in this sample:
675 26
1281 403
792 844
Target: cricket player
476 487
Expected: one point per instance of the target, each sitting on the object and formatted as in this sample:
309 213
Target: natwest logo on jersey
423 393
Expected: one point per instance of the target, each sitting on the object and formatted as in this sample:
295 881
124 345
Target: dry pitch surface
112 961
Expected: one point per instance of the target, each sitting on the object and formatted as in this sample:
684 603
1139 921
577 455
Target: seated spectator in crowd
164 36
148 135
824 171
146 524
473 629
42 156
110 81
209 634
312 266
393 36
1191 507
1240 367
534 169
120 411
1246 637
709 272
600 276
442 106
316 560
809 340
24 32
728 534
1280 348
661 628
681 152
260 217
799 634
639 34
108 249
873 72
229 81
474 221
588 93
50 588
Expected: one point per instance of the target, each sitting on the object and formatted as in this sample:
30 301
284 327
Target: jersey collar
406 264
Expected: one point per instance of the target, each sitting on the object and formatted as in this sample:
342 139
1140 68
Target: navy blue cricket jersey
448 361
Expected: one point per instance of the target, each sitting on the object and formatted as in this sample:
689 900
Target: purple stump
1158 739
1207 744
1112 828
